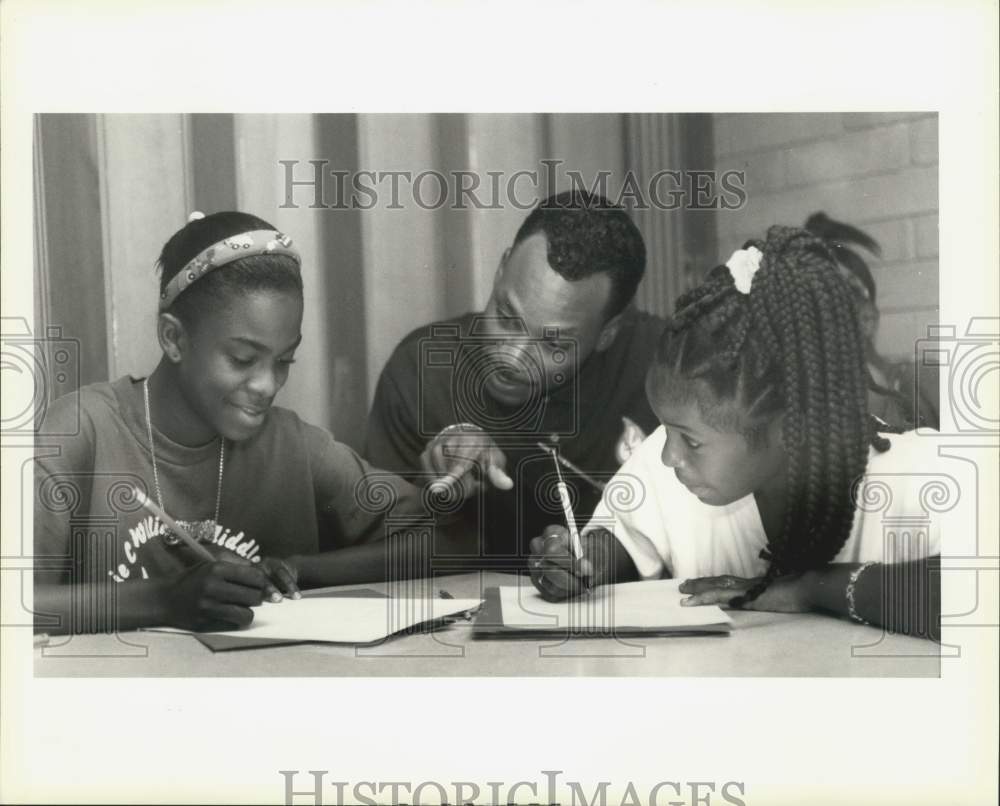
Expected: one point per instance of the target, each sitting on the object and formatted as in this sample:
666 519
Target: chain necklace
204 529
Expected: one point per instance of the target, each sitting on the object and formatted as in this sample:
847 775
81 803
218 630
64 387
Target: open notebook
343 617
631 608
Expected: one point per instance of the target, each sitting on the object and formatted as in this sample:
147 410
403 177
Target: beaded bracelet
852 581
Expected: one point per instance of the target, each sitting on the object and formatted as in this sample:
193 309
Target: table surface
760 645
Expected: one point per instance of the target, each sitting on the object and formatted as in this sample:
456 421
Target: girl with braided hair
896 392
753 488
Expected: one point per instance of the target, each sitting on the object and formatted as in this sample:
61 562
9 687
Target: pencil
567 506
178 530
598 485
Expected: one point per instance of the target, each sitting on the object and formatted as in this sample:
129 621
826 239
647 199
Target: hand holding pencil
557 564
223 594
555 570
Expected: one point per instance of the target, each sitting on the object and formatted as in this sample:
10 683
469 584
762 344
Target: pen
574 534
178 530
465 615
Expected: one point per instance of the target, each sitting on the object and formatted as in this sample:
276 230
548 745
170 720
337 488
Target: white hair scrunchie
743 265
197 214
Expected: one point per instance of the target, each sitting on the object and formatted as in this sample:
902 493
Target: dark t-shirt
289 489
433 379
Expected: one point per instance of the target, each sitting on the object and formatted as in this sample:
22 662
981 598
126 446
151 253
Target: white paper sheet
653 605
344 620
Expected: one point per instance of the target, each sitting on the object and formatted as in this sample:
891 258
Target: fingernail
276 597
686 601
296 595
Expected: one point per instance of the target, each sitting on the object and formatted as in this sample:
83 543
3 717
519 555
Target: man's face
238 360
544 326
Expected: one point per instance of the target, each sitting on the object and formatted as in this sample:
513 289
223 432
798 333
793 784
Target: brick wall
878 171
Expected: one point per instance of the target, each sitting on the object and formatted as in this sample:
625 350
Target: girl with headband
268 495
754 488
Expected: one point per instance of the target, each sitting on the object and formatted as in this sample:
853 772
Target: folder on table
633 608
358 617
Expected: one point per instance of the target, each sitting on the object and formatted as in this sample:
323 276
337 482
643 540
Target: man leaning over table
557 358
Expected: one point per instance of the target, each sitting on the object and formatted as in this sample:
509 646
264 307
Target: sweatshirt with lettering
289 489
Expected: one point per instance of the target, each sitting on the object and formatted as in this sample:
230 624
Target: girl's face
719 467
234 363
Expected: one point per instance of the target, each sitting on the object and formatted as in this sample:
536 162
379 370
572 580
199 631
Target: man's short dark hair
586 235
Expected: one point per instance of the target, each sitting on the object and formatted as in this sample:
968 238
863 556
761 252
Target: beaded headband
245 244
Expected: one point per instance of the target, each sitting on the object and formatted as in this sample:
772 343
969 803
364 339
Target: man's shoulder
645 330
650 322
635 345
629 357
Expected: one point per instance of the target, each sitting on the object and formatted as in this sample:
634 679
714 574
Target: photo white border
891 741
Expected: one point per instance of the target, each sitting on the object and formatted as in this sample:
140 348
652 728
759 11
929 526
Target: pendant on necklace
202 531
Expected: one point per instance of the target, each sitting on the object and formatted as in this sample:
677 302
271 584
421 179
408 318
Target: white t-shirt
669 532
